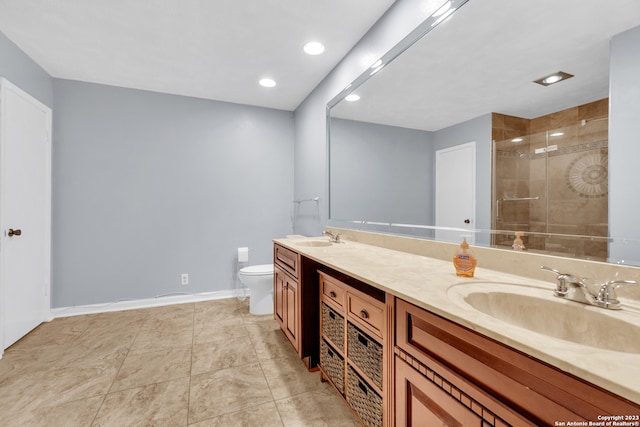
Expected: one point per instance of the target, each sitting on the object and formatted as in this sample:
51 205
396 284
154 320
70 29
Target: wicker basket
333 326
332 364
364 400
365 353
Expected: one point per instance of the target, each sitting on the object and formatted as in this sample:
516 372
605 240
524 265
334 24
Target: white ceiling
485 58
214 49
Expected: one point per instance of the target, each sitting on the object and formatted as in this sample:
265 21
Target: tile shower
550 180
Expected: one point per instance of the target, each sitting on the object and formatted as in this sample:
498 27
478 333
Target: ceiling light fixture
517 140
376 66
556 134
376 70
314 48
445 7
444 16
267 82
352 97
553 78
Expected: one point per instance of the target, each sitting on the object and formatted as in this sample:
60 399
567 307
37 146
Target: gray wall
624 146
380 173
23 72
147 186
387 174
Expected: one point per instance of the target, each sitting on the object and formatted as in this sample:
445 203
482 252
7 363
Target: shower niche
550 181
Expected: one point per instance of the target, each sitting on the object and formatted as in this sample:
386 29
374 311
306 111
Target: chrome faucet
575 289
333 238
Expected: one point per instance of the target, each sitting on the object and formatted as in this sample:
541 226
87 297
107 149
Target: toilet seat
257 270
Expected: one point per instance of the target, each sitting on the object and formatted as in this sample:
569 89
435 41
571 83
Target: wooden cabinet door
279 295
287 306
419 402
292 312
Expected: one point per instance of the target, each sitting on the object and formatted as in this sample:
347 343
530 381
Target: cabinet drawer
287 259
365 353
368 311
332 290
332 364
333 326
363 399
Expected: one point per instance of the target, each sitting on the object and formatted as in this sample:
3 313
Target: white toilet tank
259 280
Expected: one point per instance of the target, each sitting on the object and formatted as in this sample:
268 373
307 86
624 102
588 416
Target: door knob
13 232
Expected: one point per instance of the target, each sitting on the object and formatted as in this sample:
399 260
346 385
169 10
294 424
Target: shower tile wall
570 181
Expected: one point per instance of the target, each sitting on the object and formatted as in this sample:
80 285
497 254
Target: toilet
259 280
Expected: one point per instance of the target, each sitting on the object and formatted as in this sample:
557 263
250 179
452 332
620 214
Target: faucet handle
335 238
561 288
607 294
564 278
553 270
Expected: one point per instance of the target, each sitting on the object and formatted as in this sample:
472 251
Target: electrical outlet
184 279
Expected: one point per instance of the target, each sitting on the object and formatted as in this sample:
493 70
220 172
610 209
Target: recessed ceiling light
267 82
314 48
517 140
553 78
445 7
352 97
556 134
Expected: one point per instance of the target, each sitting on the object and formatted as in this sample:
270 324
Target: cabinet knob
364 314
332 294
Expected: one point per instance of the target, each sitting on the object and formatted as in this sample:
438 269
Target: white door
456 192
25 212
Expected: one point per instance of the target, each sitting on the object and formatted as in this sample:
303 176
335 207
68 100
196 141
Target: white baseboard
141 303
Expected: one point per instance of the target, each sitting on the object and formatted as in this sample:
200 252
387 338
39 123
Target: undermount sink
537 310
314 243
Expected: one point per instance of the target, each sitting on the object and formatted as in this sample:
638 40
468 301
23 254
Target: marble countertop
433 285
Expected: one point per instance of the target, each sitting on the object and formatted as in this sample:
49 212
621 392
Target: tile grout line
259 360
119 368
193 343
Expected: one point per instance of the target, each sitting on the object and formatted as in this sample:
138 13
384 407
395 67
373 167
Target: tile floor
198 364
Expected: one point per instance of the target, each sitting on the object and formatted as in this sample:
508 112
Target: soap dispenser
518 244
464 260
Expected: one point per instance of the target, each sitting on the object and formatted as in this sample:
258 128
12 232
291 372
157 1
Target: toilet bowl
259 280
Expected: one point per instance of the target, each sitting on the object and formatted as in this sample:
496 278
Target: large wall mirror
452 136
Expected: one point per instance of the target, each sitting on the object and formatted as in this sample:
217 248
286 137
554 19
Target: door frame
7 86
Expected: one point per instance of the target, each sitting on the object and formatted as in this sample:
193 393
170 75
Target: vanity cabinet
295 299
353 336
451 375
397 364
